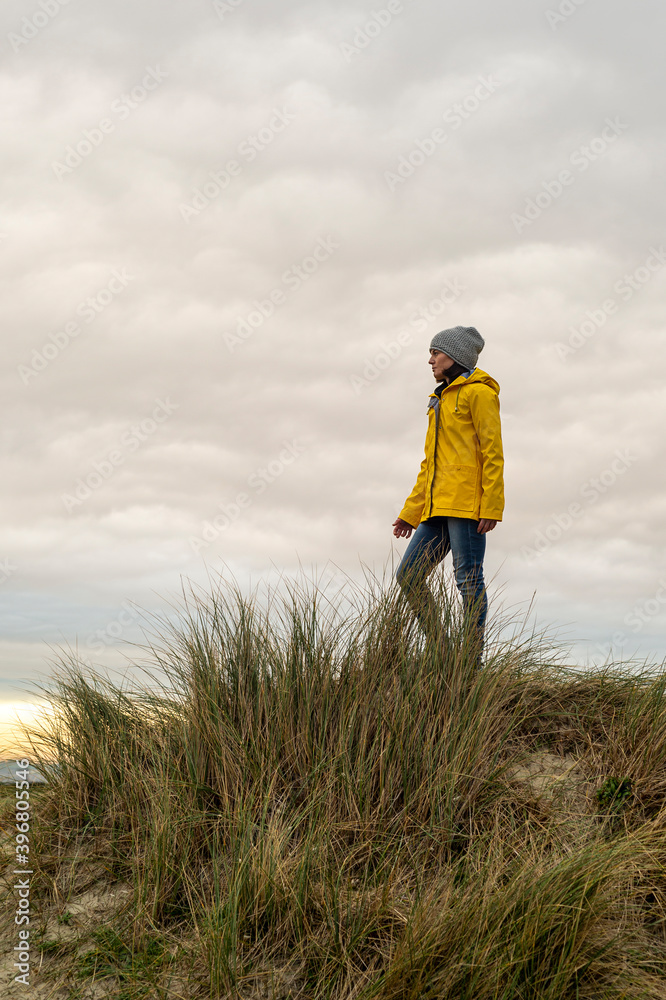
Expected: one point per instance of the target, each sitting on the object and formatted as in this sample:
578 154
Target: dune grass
317 805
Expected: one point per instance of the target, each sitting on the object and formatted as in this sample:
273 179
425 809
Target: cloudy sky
228 231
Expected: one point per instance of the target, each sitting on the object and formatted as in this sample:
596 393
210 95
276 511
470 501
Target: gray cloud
156 101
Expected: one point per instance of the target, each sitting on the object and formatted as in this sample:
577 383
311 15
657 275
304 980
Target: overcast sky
228 232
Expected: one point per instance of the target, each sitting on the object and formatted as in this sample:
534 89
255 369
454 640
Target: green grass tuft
614 794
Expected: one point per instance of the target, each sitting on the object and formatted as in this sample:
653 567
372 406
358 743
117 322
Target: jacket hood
478 375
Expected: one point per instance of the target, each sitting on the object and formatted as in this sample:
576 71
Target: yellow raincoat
462 474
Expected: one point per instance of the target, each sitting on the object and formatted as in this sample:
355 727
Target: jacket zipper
434 459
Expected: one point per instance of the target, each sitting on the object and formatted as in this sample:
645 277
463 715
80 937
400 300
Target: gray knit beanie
462 343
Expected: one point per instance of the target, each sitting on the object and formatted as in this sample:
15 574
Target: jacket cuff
491 515
410 516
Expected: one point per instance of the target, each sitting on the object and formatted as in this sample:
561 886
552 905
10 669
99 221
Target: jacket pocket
457 487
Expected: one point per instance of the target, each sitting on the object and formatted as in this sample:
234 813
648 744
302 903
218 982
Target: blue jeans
431 542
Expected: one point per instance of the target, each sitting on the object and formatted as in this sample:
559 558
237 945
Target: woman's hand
485 525
401 529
